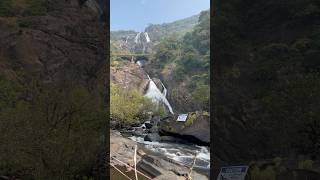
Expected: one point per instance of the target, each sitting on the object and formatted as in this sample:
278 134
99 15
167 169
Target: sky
137 14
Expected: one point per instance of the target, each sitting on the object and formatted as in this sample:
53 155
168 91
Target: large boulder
153 137
196 128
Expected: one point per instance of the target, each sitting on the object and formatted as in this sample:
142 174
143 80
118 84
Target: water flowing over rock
137 38
156 95
147 37
195 128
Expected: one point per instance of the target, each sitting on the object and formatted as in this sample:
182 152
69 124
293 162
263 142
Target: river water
181 153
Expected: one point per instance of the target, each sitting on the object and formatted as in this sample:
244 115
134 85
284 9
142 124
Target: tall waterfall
164 92
137 38
147 37
156 95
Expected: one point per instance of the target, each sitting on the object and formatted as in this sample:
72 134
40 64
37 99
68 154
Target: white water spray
147 37
156 95
137 38
164 92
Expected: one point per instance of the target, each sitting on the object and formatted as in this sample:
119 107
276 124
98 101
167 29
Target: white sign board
233 173
182 117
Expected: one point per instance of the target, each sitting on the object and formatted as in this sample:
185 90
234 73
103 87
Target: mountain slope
126 40
179 27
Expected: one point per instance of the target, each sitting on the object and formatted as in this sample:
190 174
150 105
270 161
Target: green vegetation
47 133
191 118
188 58
129 107
178 28
266 76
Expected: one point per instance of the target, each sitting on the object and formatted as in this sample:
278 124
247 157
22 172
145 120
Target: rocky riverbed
153 164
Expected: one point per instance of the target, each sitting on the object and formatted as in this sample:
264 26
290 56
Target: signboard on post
233 173
182 117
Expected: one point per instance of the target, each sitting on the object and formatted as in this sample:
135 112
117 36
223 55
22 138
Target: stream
180 153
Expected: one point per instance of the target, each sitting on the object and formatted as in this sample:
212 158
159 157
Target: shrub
129 106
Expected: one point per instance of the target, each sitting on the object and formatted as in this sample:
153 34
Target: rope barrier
136 171
120 171
131 167
135 161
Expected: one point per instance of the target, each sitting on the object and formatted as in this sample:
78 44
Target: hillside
124 41
266 81
177 28
52 70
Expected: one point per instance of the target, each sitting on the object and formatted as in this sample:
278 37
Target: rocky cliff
52 57
66 43
129 76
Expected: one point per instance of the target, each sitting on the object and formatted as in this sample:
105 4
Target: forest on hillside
182 62
266 79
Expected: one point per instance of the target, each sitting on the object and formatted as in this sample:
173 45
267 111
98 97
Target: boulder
155 120
154 129
153 137
148 125
173 139
138 131
196 128
162 168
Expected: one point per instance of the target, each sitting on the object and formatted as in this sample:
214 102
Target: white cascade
164 92
137 38
147 37
156 95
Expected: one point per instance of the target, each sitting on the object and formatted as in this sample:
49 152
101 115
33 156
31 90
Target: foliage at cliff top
177 28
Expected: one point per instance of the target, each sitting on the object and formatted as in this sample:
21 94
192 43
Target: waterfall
164 92
156 95
137 38
127 39
147 37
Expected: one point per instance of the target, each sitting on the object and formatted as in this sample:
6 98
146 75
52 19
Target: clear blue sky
137 14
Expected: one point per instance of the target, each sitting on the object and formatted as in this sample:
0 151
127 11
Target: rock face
163 169
195 128
129 76
122 148
53 48
153 137
154 166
